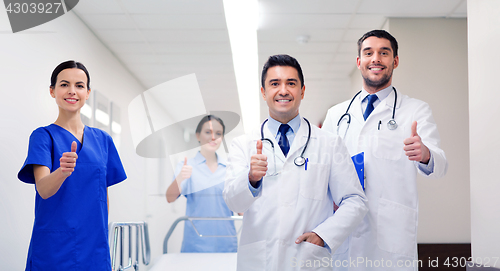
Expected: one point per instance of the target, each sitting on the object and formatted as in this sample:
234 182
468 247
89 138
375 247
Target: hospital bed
117 231
195 261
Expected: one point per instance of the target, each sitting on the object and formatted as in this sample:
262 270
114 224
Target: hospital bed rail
191 219
141 229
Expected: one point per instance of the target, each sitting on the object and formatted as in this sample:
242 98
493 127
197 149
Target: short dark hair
379 34
282 60
70 64
208 118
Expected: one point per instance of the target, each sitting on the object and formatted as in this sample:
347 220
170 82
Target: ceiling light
303 39
242 20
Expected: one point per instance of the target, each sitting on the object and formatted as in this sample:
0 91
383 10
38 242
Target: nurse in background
71 166
201 180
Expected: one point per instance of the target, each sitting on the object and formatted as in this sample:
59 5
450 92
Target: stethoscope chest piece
299 161
392 125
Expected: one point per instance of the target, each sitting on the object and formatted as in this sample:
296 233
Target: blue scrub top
70 231
203 191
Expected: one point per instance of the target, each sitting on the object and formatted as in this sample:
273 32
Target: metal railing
191 219
116 230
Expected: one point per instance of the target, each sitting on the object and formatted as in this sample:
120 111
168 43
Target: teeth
282 101
72 100
376 69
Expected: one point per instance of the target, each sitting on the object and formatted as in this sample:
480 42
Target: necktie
283 142
369 108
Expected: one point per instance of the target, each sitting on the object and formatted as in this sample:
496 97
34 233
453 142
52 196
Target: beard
379 83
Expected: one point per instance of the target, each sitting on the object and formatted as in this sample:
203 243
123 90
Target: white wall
27 60
433 68
484 37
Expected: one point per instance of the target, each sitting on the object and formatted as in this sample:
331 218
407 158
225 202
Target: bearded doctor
285 177
399 138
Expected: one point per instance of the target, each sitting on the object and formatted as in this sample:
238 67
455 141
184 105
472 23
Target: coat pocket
396 228
314 181
313 257
252 257
389 144
54 250
343 247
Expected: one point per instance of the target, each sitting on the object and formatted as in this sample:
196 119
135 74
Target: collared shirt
429 168
273 126
381 95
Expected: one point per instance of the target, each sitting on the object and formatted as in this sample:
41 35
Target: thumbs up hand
414 148
185 173
68 161
258 165
259 146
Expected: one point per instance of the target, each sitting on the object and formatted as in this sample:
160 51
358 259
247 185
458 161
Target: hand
68 161
312 238
258 165
414 148
186 171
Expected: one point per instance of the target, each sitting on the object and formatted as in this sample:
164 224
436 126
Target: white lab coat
388 233
293 202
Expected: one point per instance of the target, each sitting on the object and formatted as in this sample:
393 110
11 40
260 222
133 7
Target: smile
376 68
283 101
71 100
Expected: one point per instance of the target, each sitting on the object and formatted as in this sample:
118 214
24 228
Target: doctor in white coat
399 137
288 221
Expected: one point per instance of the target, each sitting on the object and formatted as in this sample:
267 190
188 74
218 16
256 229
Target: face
376 62
283 93
210 136
70 90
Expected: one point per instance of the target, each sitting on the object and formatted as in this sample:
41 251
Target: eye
274 84
368 53
64 85
80 86
291 83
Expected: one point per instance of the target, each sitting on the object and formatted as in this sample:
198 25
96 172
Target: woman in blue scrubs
71 166
201 180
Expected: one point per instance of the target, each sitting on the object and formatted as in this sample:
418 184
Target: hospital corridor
249 135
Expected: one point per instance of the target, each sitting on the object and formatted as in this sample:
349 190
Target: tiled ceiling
159 40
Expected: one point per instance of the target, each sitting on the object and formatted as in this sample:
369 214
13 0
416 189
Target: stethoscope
391 124
298 161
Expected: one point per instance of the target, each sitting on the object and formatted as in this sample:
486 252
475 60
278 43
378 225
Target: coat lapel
356 111
387 104
300 139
